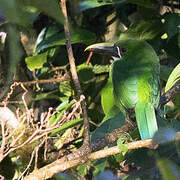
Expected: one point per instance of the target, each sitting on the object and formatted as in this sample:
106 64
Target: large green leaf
54 36
14 12
144 30
168 169
49 7
36 61
173 78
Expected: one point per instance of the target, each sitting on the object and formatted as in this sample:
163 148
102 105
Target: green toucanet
134 76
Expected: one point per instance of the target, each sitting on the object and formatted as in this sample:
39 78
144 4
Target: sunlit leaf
83 169
122 147
98 69
173 78
64 105
36 61
60 142
67 125
65 90
107 97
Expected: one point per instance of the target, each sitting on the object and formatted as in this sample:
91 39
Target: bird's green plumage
135 80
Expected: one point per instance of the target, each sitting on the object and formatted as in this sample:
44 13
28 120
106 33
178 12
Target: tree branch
166 97
63 164
86 141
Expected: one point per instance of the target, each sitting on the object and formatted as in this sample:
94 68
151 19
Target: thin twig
29 164
45 81
3 143
86 141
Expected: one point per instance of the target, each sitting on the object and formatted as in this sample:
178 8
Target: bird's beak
104 48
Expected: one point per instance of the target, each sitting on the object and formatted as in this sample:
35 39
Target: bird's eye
122 51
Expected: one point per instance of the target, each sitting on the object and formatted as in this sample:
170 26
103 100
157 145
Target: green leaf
14 12
99 165
85 73
61 108
122 147
168 169
83 169
111 113
36 61
60 142
54 36
47 95
64 105
108 126
49 7
67 125
107 97
98 69
173 78
89 4
144 30
172 22
65 90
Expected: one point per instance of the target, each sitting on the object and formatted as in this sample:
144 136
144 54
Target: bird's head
111 49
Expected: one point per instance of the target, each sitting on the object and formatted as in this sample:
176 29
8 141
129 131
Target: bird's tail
146 119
